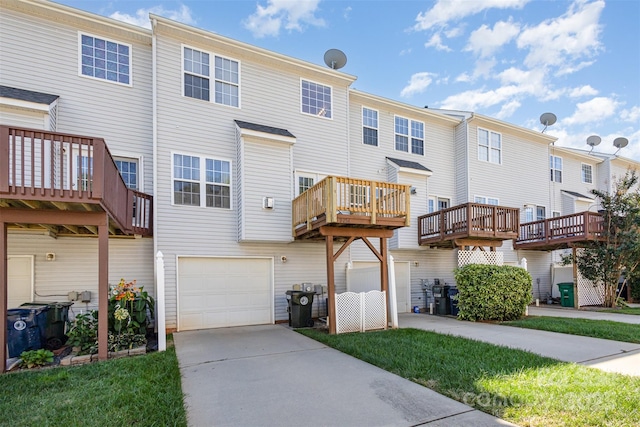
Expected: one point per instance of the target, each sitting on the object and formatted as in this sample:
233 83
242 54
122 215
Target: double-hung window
437 203
197 77
555 165
486 200
105 59
369 126
587 174
534 213
316 99
129 171
489 146
409 130
201 181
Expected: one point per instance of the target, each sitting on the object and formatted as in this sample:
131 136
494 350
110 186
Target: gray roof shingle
574 194
409 164
27 95
263 128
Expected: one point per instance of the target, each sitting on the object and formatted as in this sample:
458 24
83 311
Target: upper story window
197 77
489 146
129 171
201 181
403 132
486 200
105 59
587 174
369 126
437 203
555 164
316 99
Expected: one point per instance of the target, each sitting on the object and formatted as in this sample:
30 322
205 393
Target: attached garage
221 292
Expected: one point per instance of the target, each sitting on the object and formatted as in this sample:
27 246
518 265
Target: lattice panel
348 312
375 310
359 312
589 293
480 257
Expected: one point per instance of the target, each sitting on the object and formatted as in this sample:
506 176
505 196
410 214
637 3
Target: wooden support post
575 278
331 286
103 288
4 265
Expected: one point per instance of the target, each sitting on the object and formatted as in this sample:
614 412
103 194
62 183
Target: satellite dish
593 140
547 119
620 142
335 59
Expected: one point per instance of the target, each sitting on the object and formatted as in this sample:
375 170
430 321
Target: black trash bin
52 332
441 297
453 302
300 303
24 329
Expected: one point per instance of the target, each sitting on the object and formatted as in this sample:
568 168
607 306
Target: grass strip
515 385
132 391
623 310
606 329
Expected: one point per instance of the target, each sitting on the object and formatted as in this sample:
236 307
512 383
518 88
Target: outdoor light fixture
50 256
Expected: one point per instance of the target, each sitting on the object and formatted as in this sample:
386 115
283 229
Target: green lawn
606 329
623 310
134 391
521 387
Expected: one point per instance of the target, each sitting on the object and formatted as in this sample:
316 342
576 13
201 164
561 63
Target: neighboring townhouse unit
256 163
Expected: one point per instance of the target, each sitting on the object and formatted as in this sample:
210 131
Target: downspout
348 124
154 109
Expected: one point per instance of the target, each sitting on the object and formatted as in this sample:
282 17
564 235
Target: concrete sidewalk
611 356
557 311
272 376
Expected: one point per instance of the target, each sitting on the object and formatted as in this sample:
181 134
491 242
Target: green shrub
83 332
491 292
34 358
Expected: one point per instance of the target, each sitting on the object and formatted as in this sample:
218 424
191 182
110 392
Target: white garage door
20 283
221 292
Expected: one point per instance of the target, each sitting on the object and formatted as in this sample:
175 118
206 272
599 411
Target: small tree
619 250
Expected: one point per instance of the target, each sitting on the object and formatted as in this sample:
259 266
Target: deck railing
63 168
335 195
469 220
575 227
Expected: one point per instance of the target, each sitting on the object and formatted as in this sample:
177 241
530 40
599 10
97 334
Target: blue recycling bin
453 302
24 329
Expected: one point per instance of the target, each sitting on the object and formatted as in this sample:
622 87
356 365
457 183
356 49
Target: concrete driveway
272 376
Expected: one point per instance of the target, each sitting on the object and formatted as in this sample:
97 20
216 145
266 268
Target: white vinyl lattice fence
359 312
480 257
589 293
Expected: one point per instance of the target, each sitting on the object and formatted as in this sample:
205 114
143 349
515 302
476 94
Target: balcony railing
560 232
470 220
355 202
61 169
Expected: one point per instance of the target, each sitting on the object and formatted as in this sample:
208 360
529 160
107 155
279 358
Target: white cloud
484 68
288 14
463 78
508 109
632 115
452 10
485 41
586 90
419 83
592 111
566 39
473 100
570 69
436 41
454 32
141 18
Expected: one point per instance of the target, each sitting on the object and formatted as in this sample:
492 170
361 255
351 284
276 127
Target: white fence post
523 263
393 303
160 314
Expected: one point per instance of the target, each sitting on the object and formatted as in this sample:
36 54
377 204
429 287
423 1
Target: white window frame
494 201
554 170
212 76
323 116
106 39
531 210
582 173
489 146
366 126
202 180
415 137
433 203
317 177
555 214
133 158
409 135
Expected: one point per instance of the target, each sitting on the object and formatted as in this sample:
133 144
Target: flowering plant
128 307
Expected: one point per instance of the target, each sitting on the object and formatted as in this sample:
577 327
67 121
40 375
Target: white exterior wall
462 153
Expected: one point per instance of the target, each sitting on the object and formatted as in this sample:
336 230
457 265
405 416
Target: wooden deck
55 175
561 232
350 203
469 224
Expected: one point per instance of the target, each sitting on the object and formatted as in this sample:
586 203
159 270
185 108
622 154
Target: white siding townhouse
240 165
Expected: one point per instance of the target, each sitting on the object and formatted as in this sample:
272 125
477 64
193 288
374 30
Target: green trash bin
566 294
52 332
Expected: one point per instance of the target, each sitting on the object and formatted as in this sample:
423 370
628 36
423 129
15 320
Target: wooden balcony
53 174
470 224
354 203
561 232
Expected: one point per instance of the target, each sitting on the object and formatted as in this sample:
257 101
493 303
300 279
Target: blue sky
508 59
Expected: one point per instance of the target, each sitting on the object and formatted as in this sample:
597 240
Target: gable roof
577 195
27 95
263 128
408 164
